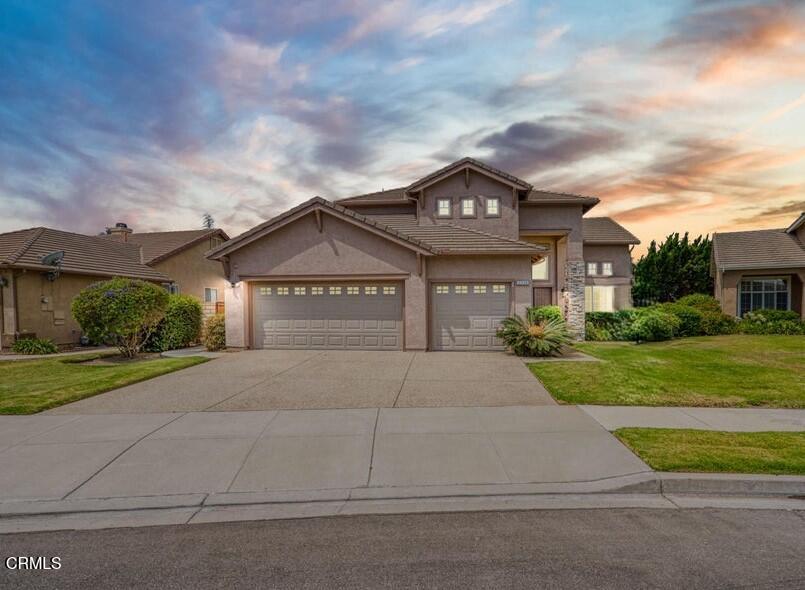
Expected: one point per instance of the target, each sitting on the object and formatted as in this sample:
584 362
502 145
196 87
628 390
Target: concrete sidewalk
727 419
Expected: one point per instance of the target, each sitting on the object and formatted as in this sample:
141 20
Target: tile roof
462 162
392 194
797 223
764 248
159 245
551 197
83 254
437 239
604 230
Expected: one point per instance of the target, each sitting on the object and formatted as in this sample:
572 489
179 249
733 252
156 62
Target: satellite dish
53 259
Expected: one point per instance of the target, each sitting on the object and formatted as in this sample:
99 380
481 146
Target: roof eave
475 165
156 276
187 245
798 222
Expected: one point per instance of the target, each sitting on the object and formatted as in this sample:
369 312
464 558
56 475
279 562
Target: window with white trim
592 269
461 289
492 207
317 290
479 289
540 270
299 290
353 290
389 290
283 290
442 289
498 288
371 290
468 207
764 293
606 269
443 208
335 290
210 295
599 298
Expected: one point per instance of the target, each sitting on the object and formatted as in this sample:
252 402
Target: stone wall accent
573 297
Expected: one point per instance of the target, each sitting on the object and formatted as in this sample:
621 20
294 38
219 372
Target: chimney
120 232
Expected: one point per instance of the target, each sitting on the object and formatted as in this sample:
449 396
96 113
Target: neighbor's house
434 265
36 288
761 269
181 256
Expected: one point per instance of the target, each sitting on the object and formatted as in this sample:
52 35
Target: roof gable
471 164
798 223
157 246
605 230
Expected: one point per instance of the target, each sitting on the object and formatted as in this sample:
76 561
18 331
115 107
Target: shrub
34 346
546 312
180 327
610 325
654 325
700 301
772 321
715 323
690 318
527 338
123 312
215 332
596 333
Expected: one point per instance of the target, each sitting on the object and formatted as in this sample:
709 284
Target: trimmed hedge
700 301
34 346
605 326
770 322
544 313
215 332
181 326
654 325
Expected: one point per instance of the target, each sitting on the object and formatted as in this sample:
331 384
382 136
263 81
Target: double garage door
465 316
360 316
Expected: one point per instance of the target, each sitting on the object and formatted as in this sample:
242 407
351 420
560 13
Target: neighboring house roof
764 248
92 255
429 240
157 246
798 222
604 230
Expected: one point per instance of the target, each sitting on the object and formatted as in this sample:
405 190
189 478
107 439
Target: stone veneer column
573 297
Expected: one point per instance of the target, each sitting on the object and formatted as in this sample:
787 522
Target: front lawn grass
668 449
721 371
27 387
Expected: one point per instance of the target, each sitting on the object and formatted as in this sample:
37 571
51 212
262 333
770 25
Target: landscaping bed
27 387
718 371
666 449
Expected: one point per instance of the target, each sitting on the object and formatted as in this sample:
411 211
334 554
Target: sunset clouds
681 116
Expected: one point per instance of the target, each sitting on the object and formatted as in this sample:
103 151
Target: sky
679 115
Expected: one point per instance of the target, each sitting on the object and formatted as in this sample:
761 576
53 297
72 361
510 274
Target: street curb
731 484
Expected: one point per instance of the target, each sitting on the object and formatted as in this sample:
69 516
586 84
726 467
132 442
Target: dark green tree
207 221
673 269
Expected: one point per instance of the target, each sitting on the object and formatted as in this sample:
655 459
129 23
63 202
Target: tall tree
207 221
673 269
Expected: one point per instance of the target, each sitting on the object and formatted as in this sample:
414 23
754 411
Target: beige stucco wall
298 250
236 316
193 273
480 187
726 287
618 255
564 218
43 307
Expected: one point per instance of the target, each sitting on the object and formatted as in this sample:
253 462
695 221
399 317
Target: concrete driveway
276 379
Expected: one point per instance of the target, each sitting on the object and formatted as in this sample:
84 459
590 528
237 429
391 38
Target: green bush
181 326
772 321
700 301
546 312
653 325
527 338
215 332
604 325
124 312
690 318
34 346
716 323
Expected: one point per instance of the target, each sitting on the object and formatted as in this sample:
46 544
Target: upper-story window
468 207
540 271
606 269
444 208
592 269
210 295
492 207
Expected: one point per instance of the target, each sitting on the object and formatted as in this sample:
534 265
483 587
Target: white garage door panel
465 316
340 316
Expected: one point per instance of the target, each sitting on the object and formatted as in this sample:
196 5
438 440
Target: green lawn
667 449
726 371
27 387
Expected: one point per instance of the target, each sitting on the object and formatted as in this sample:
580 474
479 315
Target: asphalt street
614 548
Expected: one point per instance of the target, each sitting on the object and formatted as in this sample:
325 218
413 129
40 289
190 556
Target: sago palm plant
526 338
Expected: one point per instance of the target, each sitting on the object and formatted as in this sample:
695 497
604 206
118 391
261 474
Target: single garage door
361 316
465 316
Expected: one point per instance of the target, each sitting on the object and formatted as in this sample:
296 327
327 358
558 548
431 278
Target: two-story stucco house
434 265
